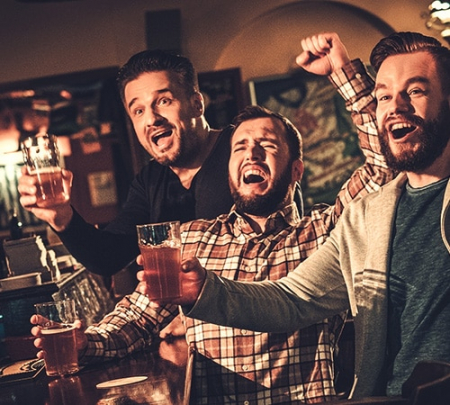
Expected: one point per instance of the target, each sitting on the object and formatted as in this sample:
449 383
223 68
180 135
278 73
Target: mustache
408 118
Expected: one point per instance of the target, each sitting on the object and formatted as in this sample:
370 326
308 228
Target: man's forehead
154 84
260 125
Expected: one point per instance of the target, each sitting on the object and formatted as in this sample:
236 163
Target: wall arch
269 44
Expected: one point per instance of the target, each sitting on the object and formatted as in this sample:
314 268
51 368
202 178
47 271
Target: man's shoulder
386 192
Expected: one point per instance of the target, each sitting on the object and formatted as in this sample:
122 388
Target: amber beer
60 350
57 323
162 271
50 189
160 246
41 158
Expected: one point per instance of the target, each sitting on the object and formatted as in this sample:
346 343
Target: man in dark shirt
187 177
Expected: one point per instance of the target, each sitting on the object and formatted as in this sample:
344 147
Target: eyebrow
411 80
274 140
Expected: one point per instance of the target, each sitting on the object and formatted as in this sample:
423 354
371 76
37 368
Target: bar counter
167 371
164 366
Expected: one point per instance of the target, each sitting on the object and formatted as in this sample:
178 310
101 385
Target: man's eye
269 146
382 97
164 101
415 92
137 111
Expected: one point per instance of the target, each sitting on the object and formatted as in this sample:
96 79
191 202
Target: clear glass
41 157
57 319
160 246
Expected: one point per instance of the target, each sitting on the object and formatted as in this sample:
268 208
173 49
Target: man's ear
198 104
297 170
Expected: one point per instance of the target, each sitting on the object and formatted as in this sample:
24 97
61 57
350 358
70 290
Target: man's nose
399 104
152 117
255 152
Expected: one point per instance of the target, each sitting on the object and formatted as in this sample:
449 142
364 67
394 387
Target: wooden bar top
164 368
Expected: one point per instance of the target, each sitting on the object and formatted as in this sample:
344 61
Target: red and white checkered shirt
239 366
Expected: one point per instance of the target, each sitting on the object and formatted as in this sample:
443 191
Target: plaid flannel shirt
240 366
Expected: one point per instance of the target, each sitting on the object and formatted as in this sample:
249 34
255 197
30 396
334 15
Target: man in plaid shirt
261 238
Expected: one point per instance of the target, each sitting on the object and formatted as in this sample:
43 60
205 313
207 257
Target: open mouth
156 138
402 129
254 176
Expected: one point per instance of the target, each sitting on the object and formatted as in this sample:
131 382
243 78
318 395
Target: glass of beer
160 246
57 319
41 157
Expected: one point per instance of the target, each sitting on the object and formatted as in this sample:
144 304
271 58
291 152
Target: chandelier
438 18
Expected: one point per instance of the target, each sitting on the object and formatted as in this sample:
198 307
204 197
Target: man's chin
165 158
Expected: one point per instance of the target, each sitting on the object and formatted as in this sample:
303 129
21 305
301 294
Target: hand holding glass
160 246
41 157
58 336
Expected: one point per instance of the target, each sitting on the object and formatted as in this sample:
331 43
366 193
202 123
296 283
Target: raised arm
325 54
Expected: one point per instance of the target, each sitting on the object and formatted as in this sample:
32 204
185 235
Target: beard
189 146
433 138
263 205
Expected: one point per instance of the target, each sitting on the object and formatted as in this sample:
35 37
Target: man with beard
388 257
262 237
186 177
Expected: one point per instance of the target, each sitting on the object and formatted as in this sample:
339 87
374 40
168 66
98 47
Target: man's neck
187 172
258 223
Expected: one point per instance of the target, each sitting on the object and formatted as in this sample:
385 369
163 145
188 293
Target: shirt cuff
354 84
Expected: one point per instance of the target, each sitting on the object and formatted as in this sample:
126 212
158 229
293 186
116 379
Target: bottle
15 226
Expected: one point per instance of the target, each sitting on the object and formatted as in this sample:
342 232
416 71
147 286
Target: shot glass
41 158
57 319
160 246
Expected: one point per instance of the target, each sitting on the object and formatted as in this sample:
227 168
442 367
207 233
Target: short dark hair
157 61
293 135
411 42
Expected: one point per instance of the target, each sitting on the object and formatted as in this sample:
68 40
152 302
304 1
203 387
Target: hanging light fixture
438 18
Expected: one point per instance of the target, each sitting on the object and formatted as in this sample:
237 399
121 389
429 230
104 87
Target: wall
42 39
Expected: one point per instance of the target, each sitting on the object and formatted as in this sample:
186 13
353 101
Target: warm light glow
12 158
439 18
439 5
64 147
9 140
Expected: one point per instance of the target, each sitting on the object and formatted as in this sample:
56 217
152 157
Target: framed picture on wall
330 141
223 94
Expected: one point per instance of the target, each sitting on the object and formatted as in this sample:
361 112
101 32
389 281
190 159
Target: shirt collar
287 216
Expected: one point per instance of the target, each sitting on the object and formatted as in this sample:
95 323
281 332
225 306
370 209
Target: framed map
330 142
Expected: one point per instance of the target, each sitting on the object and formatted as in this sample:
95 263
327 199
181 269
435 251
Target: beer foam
43 170
54 331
